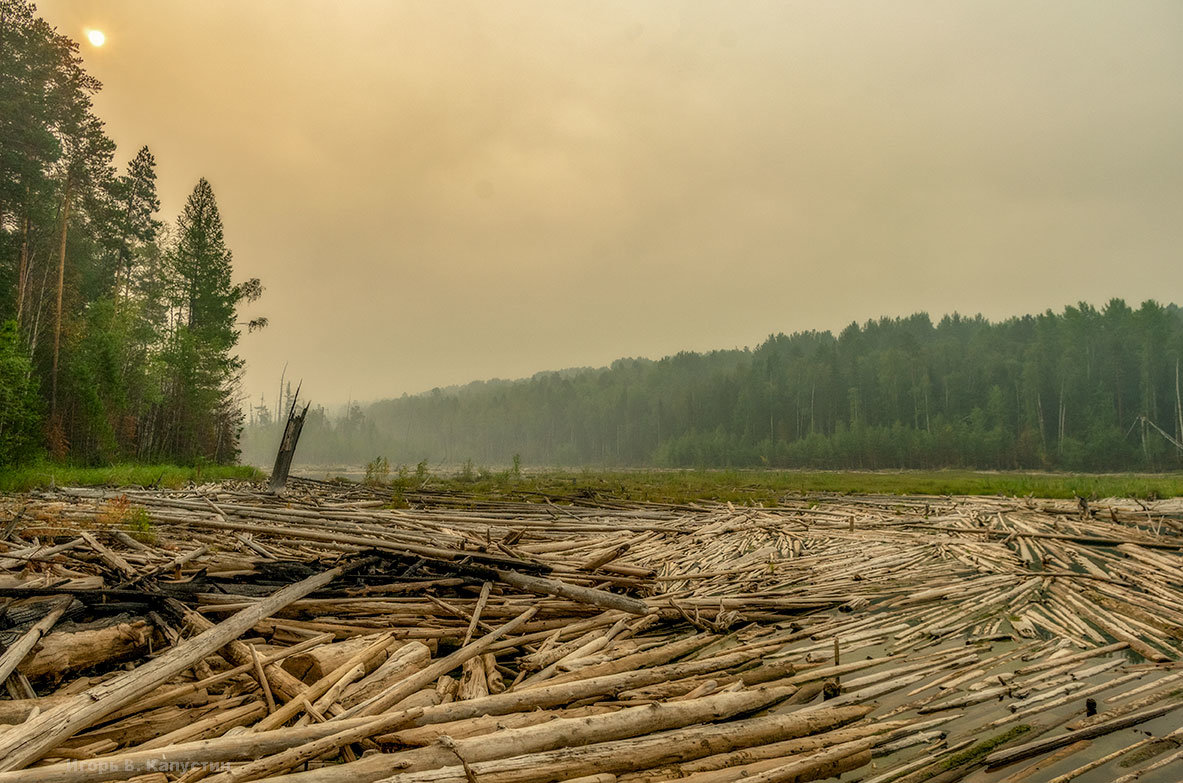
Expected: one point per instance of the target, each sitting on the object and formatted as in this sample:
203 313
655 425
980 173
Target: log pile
222 633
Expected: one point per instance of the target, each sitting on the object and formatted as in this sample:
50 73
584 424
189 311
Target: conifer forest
118 325
1086 389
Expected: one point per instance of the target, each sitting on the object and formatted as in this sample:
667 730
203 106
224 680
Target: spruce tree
135 223
203 416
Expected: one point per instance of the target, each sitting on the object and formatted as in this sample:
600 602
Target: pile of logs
224 634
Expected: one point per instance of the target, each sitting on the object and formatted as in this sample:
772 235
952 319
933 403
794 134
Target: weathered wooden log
420 736
798 768
211 726
473 683
605 557
63 652
1047 761
775 751
1096 730
293 757
492 675
314 664
584 595
634 753
1174 738
1167 692
404 688
1053 662
401 663
166 695
486 588
113 560
564 732
375 649
283 685
238 747
634 662
17 710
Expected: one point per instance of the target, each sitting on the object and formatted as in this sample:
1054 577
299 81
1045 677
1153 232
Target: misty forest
1085 389
117 331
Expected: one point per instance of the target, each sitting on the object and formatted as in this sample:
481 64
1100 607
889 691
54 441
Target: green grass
768 487
22 479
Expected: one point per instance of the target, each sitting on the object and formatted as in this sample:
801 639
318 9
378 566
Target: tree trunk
57 324
22 280
1178 404
287 445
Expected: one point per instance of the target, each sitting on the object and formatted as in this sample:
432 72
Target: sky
436 192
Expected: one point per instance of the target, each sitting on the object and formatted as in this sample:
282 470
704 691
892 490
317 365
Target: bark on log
776 750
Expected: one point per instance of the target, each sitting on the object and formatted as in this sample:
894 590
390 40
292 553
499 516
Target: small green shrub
377 472
135 520
139 525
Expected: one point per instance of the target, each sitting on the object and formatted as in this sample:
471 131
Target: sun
96 37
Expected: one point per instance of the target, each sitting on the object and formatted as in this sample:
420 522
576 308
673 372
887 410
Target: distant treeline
1085 389
117 335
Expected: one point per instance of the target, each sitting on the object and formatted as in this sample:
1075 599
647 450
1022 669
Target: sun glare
96 37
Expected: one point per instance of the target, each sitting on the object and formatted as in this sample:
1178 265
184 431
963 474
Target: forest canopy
1083 389
117 331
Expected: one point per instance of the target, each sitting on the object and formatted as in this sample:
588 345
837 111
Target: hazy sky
435 192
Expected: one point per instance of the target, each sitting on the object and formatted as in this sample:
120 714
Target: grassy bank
22 479
768 487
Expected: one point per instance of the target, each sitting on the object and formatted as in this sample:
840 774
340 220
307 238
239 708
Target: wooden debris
326 638
287 445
